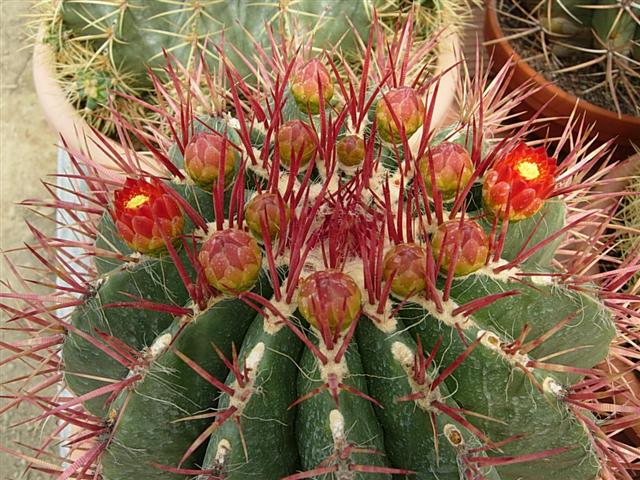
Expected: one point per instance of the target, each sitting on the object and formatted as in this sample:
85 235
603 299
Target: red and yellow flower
350 150
145 214
519 183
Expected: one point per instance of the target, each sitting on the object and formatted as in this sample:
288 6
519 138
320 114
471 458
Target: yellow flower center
135 202
528 170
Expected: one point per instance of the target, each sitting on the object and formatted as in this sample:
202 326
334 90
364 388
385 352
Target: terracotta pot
608 124
65 119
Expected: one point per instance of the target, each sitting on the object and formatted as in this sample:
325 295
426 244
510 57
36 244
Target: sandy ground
27 153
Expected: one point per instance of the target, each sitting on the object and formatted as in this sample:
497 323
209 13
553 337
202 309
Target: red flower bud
525 174
452 167
408 109
231 260
271 208
305 88
204 157
296 142
406 262
468 242
329 298
144 211
350 150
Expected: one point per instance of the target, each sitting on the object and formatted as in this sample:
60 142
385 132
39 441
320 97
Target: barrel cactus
107 46
376 313
607 24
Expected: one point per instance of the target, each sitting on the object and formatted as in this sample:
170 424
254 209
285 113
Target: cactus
107 46
316 319
608 24
578 34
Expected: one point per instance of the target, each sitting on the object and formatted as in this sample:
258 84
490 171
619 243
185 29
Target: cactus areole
307 315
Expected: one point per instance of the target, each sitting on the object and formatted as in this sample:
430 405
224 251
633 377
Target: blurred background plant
103 46
629 217
588 47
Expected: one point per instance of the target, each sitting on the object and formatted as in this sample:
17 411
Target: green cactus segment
325 430
601 24
264 425
571 10
150 430
615 29
134 32
487 384
582 342
529 232
83 362
109 240
408 430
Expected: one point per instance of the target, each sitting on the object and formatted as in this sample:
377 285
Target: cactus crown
600 38
350 322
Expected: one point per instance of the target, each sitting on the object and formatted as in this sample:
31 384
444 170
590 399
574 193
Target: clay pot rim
491 21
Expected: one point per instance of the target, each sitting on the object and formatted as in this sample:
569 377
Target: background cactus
575 35
355 351
109 45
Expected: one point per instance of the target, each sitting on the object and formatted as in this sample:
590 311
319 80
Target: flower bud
468 240
452 167
406 262
271 208
296 143
306 89
329 298
145 213
408 109
350 150
231 260
519 183
204 157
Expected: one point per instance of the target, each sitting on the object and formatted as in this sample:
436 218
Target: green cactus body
571 10
134 33
139 441
326 430
265 421
389 356
347 344
635 51
136 328
494 385
616 28
604 25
